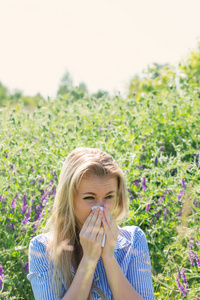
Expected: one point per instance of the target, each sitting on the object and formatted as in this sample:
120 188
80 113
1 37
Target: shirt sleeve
38 271
139 269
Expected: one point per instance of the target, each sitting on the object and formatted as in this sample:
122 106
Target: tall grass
155 139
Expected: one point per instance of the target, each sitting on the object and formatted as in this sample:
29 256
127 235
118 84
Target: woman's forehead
95 182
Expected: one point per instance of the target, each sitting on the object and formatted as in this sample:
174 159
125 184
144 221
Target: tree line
156 78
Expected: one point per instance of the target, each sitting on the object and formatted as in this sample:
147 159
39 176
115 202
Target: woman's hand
112 232
91 236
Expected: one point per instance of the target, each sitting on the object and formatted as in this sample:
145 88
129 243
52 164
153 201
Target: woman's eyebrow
95 194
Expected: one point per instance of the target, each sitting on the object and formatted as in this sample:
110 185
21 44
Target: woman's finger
108 218
100 234
105 224
88 220
97 224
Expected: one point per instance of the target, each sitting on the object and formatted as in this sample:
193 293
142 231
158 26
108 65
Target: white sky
101 42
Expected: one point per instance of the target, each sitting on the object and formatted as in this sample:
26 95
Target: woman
68 261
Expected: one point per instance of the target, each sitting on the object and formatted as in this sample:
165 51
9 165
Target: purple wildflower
191 260
27 217
131 195
36 225
51 182
148 207
13 204
158 214
142 155
191 243
195 203
140 197
6 155
100 128
179 274
1 283
1 277
181 288
32 182
165 213
24 205
38 222
163 196
12 227
196 242
183 183
38 211
156 161
144 184
44 200
183 275
196 257
41 180
11 166
54 175
2 200
136 182
26 268
181 194
179 202
1 271
184 279
109 123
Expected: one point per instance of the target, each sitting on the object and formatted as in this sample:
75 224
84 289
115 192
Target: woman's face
94 191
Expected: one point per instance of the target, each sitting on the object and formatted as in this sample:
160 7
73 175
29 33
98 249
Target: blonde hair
63 244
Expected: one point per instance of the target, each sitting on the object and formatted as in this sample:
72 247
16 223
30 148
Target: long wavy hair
64 248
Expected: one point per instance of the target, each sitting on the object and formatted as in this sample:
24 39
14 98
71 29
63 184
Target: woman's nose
101 202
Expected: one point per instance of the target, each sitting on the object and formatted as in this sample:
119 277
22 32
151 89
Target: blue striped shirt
131 252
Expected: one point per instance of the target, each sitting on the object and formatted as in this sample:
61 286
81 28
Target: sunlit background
101 43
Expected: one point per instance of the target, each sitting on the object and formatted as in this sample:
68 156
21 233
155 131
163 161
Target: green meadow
154 136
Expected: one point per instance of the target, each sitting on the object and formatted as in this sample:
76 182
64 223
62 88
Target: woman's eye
88 198
109 197
92 198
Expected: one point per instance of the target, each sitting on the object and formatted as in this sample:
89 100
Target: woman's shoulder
40 238
131 229
132 233
39 243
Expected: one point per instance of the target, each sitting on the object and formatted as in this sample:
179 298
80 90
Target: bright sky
101 42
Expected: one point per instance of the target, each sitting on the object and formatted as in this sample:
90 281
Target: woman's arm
119 285
81 284
38 276
91 236
136 282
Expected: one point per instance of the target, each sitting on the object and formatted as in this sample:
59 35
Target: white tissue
104 235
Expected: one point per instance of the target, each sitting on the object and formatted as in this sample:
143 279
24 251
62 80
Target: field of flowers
156 141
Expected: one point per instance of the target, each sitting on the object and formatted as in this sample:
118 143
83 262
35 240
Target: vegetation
155 138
